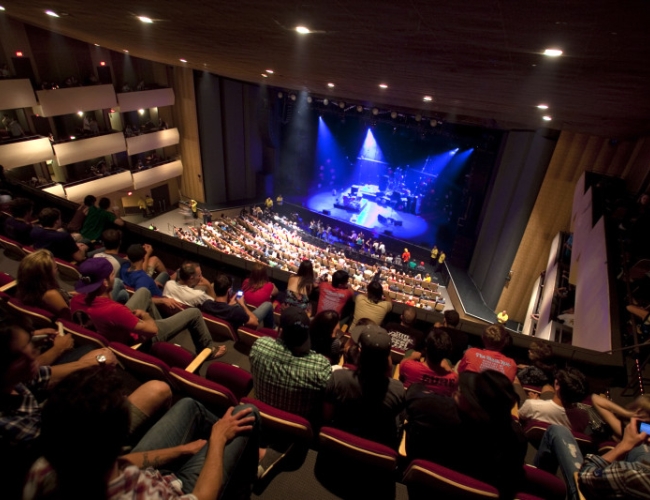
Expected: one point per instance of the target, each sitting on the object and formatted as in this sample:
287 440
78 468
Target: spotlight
418 118
102 63
375 111
19 53
427 98
553 52
393 114
280 95
292 97
341 104
383 86
264 75
183 60
269 71
542 106
141 111
303 30
546 118
330 85
359 108
80 113
146 20
51 13
326 101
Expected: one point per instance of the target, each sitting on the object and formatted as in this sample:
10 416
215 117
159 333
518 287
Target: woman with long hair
259 292
323 335
300 286
38 286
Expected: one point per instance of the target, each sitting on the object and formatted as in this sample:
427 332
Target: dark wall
517 181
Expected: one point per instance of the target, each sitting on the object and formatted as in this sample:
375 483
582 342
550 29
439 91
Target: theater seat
83 336
249 335
357 449
424 479
534 431
219 328
40 317
12 249
281 422
213 395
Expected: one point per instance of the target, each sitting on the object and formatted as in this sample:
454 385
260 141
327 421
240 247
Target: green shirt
96 221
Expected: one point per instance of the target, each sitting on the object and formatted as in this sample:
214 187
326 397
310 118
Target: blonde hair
35 277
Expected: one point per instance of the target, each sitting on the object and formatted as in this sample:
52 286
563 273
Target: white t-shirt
111 258
185 294
544 411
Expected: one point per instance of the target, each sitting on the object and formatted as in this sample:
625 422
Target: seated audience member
403 336
258 290
540 373
77 221
86 423
37 284
616 416
300 286
623 472
118 322
48 235
367 402
459 340
323 335
570 388
335 295
490 357
189 287
231 307
112 239
434 371
99 219
134 274
23 379
18 227
375 305
445 429
286 373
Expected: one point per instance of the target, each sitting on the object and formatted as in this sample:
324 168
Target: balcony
16 94
99 186
145 99
153 140
71 100
157 174
26 152
86 149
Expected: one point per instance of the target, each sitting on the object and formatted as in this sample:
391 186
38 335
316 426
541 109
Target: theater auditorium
485 164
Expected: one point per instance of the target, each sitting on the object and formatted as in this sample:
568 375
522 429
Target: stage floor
414 227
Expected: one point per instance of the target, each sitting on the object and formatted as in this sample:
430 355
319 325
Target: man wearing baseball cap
287 374
118 322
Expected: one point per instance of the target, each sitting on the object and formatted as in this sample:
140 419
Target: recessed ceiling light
269 71
264 75
383 86
97 45
80 113
126 51
2 8
182 60
427 98
146 20
51 13
330 85
553 52
303 30
546 118
542 106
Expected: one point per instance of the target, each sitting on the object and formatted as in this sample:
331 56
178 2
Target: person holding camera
230 306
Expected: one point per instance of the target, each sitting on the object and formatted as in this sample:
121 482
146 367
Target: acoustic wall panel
152 140
16 94
68 101
100 186
18 154
157 174
145 99
86 149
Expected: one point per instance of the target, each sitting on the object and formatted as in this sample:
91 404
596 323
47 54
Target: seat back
40 317
12 249
249 335
282 422
541 484
141 365
423 476
358 449
212 394
239 381
219 328
83 336
67 270
535 430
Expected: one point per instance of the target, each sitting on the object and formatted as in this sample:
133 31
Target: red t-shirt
478 360
111 319
257 297
413 371
333 298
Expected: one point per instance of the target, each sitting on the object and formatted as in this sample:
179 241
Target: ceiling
480 60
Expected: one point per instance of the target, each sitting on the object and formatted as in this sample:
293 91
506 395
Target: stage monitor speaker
327 212
397 222
382 219
388 232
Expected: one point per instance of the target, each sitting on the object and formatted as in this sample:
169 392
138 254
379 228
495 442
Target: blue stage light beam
370 164
331 162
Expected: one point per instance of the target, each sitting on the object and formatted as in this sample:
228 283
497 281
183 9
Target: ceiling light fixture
553 52
427 98
97 45
383 86
375 111
341 104
418 118
264 75
393 114
542 106
269 71
303 30
126 51
102 63
146 20
330 85
309 99
292 97
326 101
80 113
141 111
19 54
51 13
359 108
433 123
183 60
546 118
2 8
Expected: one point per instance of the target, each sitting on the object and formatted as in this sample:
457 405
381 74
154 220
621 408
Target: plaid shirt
287 382
600 479
20 414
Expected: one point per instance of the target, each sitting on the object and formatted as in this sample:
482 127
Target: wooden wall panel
186 121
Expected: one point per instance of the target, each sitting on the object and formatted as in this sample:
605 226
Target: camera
240 294
643 427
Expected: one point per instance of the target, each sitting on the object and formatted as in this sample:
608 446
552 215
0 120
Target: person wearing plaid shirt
286 373
623 472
